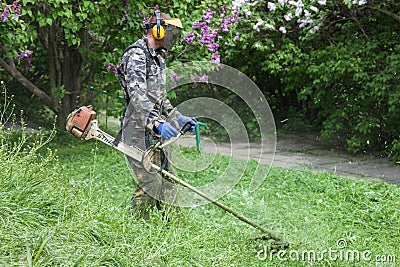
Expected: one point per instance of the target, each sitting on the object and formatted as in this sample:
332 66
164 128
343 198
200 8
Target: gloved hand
167 130
183 120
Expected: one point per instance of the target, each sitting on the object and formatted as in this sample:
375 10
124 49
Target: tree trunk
65 69
71 70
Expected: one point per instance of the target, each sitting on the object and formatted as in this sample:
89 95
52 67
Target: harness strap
149 62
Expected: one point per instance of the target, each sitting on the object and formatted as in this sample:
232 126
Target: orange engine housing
79 119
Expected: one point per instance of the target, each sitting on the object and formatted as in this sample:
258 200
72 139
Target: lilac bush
211 29
12 11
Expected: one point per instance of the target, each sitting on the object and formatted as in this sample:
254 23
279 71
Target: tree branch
386 12
16 74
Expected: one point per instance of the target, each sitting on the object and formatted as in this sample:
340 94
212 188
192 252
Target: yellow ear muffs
160 35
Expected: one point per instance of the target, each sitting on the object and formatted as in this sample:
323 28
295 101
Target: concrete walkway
297 152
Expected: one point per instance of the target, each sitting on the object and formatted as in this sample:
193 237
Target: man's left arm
173 114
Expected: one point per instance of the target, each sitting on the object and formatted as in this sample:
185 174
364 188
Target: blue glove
183 120
167 130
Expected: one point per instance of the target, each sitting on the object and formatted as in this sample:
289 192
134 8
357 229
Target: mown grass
66 204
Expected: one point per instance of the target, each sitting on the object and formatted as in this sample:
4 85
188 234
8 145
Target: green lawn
67 204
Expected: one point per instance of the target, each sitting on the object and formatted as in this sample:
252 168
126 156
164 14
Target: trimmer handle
187 127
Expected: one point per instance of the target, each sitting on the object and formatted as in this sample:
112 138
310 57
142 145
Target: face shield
173 29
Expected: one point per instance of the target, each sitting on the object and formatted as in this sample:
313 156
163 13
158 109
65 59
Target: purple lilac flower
189 37
112 68
204 29
174 77
156 7
216 58
237 37
124 3
225 25
16 8
282 30
5 14
207 36
224 9
145 19
3 18
23 54
208 16
140 12
204 79
227 21
234 19
213 48
195 24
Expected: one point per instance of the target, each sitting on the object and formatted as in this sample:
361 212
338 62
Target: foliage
333 63
327 61
70 46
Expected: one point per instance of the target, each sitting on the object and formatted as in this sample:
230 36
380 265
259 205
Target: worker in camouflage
149 116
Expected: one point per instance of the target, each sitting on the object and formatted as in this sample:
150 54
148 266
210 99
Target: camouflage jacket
142 74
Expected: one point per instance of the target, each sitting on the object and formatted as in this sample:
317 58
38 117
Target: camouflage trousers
153 190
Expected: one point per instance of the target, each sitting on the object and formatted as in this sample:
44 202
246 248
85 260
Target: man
149 116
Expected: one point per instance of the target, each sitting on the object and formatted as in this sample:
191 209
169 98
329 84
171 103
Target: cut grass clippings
73 210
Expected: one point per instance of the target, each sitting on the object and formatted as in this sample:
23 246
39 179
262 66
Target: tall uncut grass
65 202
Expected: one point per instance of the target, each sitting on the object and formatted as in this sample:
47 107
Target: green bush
395 151
342 80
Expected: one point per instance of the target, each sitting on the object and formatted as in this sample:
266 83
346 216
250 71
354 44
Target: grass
66 204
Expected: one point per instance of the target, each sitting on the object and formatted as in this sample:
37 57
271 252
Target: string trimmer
82 123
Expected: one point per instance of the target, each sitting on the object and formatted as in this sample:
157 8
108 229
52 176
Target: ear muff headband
158 30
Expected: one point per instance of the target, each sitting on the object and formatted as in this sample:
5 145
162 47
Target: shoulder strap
149 62
149 57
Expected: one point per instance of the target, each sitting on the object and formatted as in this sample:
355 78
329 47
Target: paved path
297 152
